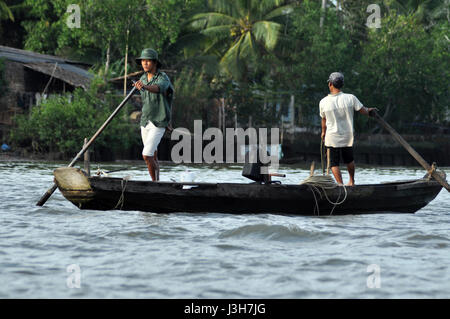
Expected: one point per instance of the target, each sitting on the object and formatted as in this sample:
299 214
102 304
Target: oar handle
52 189
428 168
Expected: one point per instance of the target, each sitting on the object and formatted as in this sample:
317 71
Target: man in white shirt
336 111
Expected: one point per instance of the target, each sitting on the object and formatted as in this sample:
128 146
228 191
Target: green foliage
61 123
43 29
310 54
427 12
5 12
191 97
240 32
258 54
104 24
405 71
256 103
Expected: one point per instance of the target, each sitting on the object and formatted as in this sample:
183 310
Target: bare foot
350 184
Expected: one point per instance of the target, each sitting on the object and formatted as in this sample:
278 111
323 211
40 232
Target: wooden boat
108 193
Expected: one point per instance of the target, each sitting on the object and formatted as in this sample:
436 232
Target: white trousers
151 136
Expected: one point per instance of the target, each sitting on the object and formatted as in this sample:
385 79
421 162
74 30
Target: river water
59 251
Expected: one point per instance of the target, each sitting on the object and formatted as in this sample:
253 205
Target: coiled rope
320 183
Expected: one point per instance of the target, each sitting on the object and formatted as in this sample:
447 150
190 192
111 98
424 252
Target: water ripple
145 255
274 232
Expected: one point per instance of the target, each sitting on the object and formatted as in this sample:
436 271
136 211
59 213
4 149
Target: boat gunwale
170 183
235 191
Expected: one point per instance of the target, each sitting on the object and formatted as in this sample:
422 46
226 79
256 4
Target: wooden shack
29 77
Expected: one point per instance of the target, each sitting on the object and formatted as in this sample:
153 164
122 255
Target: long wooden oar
52 189
411 151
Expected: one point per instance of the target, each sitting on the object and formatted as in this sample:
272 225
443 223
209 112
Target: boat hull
106 193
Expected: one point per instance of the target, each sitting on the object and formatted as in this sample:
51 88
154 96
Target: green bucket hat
149 54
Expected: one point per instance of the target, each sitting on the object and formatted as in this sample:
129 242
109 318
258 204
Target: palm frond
248 46
267 32
217 32
230 60
222 6
242 8
266 5
5 12
188 43
279 12
211 19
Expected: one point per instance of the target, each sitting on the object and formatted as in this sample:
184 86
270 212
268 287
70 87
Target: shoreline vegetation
239 64
301 149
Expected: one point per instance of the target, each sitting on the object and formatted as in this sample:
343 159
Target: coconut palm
240 31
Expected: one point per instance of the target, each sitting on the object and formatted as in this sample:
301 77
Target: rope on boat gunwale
122 196
319 184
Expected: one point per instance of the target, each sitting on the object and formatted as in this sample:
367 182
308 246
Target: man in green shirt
157 95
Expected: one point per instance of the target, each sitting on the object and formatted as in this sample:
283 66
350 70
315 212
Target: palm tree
240 31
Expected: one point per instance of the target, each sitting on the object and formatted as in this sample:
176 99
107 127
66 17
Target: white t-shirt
338 109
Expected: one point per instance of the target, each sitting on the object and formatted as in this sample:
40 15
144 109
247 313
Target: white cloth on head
151 136
338 109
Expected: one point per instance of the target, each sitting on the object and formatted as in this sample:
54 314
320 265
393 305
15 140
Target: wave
274 232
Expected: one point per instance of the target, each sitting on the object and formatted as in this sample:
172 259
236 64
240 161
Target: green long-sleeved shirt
156 107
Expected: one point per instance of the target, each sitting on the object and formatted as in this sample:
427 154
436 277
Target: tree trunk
339 11
387 112
223 115
322 15
126 67
108 57
292 111
219 115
